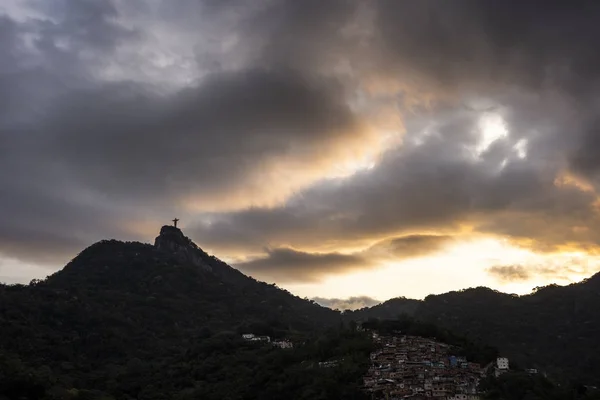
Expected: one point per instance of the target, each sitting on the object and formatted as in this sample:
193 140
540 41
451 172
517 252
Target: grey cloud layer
276 89
80 151
289 265
530 43
434 185
211 138
483 46
550 270
510 272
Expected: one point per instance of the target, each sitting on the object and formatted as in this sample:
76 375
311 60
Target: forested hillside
390 309
556 328
209 366
129 319
140 321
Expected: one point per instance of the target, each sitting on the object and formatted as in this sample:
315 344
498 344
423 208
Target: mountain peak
172 240
170 236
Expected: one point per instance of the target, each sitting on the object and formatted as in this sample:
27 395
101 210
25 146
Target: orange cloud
566 178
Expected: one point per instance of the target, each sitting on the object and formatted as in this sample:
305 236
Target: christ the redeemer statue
175 222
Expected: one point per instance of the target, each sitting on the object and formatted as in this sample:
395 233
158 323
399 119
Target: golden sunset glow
566 179
461 266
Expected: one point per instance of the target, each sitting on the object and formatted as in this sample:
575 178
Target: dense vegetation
136 321
555 329
215 366
519 385
123 319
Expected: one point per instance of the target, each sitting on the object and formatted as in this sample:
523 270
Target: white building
252 337
283 344
531 371
261 339
327 364
502 363
501 366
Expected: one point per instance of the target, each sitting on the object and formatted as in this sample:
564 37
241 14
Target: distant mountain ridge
556 328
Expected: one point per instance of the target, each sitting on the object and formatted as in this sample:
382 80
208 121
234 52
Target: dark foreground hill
556 328
140 321
127 319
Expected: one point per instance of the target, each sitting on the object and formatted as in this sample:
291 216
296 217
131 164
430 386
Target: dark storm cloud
306 34
43 217
50 224
207 138
288 265
437 184
585 160
351 303
273 93
417 186
79 151
483 46
528 43
284 264
84 25
8 43
144 146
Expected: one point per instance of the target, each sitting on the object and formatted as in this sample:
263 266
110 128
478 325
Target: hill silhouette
130 320
192 287
120 310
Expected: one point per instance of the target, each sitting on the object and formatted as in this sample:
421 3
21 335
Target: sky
349 151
